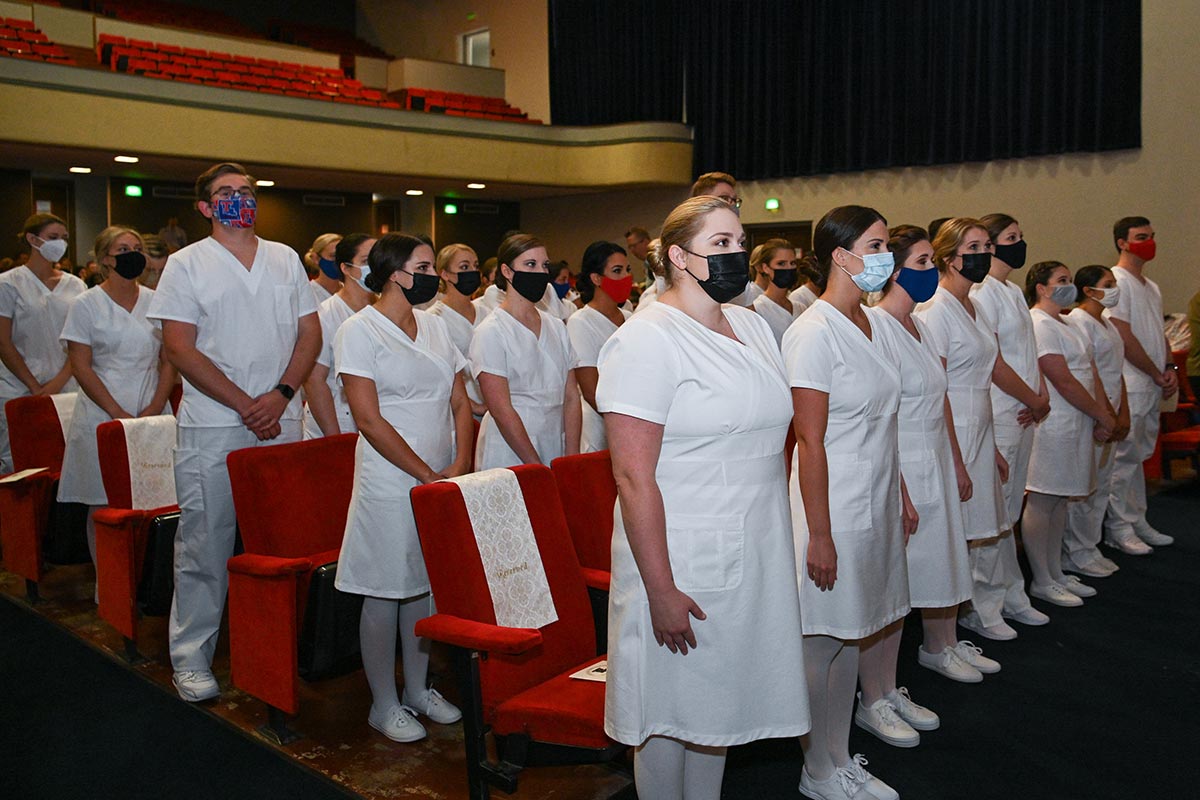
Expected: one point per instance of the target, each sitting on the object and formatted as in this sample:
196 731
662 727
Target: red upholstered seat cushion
1184 440
563 710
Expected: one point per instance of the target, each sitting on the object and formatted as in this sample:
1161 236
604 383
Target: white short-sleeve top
37 315
1108 350
1140 306
246 320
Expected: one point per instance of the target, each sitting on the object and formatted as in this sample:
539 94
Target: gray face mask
1064 295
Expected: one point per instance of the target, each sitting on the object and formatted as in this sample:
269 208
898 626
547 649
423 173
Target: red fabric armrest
596 578
478 635
120 516
261 566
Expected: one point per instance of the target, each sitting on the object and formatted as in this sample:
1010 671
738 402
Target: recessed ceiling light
476 185
126 159
81 170
264 183
414 193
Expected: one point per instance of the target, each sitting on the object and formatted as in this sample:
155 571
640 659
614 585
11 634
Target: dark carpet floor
1103 702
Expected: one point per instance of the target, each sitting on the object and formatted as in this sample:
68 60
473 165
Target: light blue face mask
364 271
877 268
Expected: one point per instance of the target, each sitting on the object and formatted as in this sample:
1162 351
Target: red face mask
1144 249
617 288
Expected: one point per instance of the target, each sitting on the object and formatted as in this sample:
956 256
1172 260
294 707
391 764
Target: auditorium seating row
462 105
192 65
19 38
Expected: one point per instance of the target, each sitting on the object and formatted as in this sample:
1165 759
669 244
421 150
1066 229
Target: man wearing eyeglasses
724 186
239 323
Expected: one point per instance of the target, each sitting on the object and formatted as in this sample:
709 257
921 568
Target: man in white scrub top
1149 377
239 323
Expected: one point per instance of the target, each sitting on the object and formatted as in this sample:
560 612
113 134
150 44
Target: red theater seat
514 681
288 532
36 439
589 495
122 536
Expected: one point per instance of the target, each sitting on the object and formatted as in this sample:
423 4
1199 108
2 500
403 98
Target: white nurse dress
721 472
125 347
969 348
332 312
381 554
461 330
778 317
827 352
589 330
1063 461
939 571
536 369
803 298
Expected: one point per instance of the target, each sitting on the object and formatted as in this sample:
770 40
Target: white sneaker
398 723
1078 587
1128 543
1000 632
1028 616
916 715
436 707
842 785
948 663
1091 569
196 685
881 720
973 656
1108 564
1055 593
1153 537
874 787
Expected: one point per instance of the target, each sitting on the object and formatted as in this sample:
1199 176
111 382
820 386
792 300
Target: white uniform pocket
850 493
923 476
706 551
286 309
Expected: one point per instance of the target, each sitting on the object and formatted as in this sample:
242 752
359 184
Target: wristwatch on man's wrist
287 391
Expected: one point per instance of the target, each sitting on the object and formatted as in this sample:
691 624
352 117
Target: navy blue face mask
330 269
919 283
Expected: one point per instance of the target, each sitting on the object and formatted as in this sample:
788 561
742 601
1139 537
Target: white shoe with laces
974 656
949 664
398 723
196 686
881 720
1078 587
1128 543
1000 632
874 787
434 706
1108 564
1091 569
1026 616
916 715
1055 593
842 785
1153 537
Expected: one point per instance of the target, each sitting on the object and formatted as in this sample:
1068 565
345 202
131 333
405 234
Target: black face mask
530 285
1012 254
468 282
130 265
728 274
975 266
423 290
784 278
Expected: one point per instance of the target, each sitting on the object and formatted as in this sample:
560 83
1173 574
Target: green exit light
772 204
133 190
471 16
450 208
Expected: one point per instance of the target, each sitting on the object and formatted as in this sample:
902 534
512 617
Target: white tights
831 666
377 634
668 769
877 659
1043 524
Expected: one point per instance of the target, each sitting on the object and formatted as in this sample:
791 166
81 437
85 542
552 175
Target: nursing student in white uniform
939 574
402 375
704 617
114 353
1062 466
775 261
658 284
605 282
322 260
965 339
850 515
810 290
1019 394
326 410
1149 377
1098 291
239 322
458 267
523 360
33 306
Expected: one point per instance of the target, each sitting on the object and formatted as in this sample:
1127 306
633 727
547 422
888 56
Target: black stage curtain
779 88
616 61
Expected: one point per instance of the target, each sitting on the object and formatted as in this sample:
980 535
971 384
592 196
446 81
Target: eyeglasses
228 192
733 200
